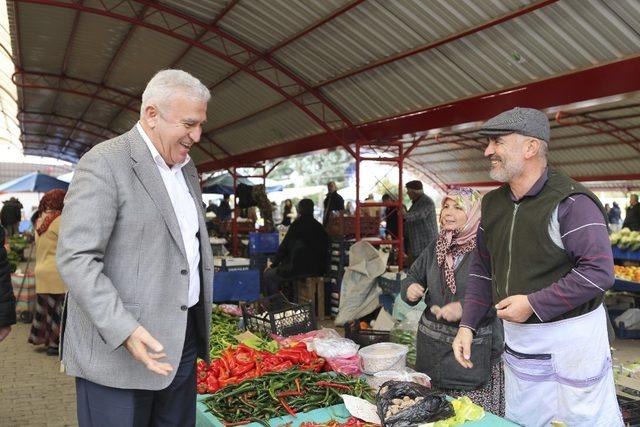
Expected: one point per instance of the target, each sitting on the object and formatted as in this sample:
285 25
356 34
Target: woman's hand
451 312
462 347
415 292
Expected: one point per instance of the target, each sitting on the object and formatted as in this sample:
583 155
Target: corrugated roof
282 71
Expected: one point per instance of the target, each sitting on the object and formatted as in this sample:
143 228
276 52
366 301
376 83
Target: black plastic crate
621 332
277 315
630 411
364 337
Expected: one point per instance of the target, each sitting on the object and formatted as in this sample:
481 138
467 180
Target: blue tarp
223 184
34 182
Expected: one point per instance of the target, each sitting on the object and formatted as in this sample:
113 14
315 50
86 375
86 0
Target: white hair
167 83
544 149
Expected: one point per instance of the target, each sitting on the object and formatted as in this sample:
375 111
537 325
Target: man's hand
415 292
462 347
4 331
515 308
451 312
268 267
137 344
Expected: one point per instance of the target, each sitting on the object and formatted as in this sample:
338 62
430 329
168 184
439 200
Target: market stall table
336 412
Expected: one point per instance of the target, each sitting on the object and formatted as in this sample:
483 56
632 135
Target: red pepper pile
350 422
243 362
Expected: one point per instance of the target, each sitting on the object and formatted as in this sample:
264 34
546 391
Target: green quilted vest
524 259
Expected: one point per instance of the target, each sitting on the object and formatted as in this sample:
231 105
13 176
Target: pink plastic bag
346 366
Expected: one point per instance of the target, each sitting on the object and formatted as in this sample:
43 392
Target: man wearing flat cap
419 222
543 261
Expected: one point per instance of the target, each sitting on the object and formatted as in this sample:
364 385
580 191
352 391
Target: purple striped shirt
584 236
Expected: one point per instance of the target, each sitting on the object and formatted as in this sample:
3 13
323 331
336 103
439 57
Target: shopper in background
224 209
439 275
50 289
7 299
333 202
632 218
543 259
390 215
420 223
134 252
349 208
614 217
302 253
10 216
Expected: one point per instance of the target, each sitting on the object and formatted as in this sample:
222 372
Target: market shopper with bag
439 276
50 289
134 252
543 260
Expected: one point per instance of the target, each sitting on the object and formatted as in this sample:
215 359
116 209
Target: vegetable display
243 362
277 394
225 333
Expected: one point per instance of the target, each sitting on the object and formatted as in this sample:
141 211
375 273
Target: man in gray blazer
134 251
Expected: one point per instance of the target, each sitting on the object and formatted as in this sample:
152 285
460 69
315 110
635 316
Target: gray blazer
121 254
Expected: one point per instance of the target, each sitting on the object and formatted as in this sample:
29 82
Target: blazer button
184 308
184 272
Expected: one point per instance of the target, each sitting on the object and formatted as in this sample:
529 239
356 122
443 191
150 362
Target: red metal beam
74 82
74 92
69 119
107 72
63 126
67 53
507 17
592 83
293 38
270 77
424 48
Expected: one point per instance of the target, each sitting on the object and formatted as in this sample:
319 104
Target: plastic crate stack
338 261
262 246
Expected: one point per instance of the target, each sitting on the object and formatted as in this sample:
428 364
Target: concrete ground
33 392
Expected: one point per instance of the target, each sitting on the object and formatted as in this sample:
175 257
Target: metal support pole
400 235
234 228
357 212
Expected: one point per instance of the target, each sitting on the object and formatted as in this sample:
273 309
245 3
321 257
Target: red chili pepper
287 407
242 369
212 384
227 381
215 368
333 385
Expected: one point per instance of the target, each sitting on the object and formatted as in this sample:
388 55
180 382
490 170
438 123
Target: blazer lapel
147 172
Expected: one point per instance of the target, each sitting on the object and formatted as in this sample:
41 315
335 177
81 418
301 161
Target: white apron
560 371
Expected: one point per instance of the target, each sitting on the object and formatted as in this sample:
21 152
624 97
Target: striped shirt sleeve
478 296
584 235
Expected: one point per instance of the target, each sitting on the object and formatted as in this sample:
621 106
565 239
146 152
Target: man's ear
532 148
151 116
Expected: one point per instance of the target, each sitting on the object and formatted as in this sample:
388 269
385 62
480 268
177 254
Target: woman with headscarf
50 289
439 276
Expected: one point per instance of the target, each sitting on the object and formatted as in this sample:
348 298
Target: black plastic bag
433 407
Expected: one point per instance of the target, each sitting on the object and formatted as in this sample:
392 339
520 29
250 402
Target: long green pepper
230 403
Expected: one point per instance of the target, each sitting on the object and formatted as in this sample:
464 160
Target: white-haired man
133 250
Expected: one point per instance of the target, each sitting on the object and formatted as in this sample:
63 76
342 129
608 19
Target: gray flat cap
524 121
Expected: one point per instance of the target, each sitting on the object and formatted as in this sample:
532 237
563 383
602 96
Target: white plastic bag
332 348
630 318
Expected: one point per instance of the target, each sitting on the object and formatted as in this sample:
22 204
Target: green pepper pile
276 394
224 329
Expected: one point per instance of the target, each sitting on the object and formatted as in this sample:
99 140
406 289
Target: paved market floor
34 393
